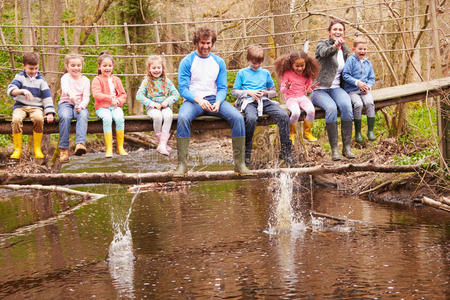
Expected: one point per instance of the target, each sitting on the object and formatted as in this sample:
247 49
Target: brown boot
80 149
63 155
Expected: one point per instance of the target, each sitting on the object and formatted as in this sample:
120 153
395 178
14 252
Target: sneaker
63 155
80 149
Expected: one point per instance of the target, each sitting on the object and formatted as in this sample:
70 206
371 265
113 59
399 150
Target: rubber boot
182 149
286 154
292 132
346 131
239 156
63 155
307 134
120 137
248 158
37 139
108 144
370 126
358 136
333 139
163 143
17 140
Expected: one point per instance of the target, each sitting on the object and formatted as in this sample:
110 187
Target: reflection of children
253 87
109 96
297 72
359 78
32 97
158 93
75 92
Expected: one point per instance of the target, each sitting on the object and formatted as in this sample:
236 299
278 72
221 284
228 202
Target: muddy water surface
217 240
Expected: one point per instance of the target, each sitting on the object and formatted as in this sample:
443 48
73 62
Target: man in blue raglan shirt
202 81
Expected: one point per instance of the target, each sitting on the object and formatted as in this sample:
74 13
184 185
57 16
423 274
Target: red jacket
102 94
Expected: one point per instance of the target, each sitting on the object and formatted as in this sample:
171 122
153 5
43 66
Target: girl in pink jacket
109 96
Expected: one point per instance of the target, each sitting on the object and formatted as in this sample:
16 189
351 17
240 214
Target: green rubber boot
370 126
358 136
239 156
182 152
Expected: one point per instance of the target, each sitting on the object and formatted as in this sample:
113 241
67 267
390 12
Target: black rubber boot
239 156
286 153
333 139
358 136
346 131
370 126
248 156
182 149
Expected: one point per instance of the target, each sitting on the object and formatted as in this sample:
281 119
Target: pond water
249 239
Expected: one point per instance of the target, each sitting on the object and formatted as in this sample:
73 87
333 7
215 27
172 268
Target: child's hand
28 95
158 106
364 87
50 118
255 94
288 84
165 104
78 108
314 86
114 102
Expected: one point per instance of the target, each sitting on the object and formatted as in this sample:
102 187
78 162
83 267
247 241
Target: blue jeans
66 113
108 115
332 99
190 110
275 112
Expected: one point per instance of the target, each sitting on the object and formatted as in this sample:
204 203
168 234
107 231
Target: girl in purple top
297 72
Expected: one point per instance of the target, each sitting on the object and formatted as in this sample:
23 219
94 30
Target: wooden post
133 59
127 35
186 32
97 43
11 53
66 44
157 33
444 110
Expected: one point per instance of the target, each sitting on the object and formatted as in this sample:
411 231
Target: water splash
120 254
282 218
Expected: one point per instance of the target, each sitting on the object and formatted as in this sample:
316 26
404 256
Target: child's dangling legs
157 116
293 106
308 107
370 111
167 124
106 115
117 116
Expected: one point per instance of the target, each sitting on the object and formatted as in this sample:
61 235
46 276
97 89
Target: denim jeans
332 99
275 112
108 115
190 110
66 113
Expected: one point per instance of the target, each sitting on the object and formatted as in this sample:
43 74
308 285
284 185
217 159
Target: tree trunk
282 24
25 15
139 178
54 36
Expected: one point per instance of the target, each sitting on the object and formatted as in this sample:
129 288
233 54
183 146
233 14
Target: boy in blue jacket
359 78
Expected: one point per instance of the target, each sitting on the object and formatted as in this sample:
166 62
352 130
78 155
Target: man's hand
216 107
50 118
204 104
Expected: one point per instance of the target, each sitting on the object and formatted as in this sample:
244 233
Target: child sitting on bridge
32 98
359 78
75 92
297 71
109 96
158 93
253 87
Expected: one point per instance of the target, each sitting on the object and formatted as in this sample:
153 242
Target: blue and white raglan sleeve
221 80
184 78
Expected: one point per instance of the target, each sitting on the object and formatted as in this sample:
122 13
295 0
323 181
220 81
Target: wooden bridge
140 123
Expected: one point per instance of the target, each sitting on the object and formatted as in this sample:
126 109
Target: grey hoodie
327 57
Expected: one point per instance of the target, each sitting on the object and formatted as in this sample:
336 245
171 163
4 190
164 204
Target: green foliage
427 156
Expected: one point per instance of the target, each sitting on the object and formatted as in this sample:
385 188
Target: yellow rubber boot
37 139
307 134
17 140
120 137
292 132
108 144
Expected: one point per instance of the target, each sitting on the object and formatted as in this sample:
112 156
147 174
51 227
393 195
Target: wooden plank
140 123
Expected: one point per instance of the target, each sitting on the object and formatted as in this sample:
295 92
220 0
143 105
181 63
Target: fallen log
435 204
85 195
140 178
